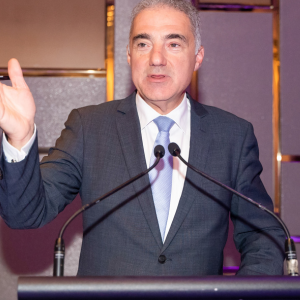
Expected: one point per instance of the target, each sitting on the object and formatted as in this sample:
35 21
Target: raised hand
17 107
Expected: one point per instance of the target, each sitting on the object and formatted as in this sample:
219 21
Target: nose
157 56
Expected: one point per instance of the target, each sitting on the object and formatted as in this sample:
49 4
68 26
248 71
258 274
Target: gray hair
184 6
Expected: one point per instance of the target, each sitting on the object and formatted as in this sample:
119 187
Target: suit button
1 175
162 259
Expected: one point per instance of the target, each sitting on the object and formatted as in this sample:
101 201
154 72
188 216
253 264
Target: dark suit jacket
101 147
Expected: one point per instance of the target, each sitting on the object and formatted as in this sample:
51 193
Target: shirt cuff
12 154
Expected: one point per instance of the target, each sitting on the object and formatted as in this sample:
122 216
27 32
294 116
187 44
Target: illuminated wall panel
53 33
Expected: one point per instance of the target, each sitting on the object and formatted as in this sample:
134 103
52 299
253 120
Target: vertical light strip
194 86
109 62
277 157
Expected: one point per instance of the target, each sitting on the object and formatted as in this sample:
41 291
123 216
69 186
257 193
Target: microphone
290 249
59 248
159 151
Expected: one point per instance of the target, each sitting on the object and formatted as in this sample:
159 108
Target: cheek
185 68
138 67
182 71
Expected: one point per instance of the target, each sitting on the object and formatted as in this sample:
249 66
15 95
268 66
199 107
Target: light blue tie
161 176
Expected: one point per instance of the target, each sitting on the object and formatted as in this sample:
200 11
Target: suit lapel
199 146
129 131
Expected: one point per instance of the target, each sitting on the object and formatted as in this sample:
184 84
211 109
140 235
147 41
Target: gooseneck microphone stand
59 249
290 249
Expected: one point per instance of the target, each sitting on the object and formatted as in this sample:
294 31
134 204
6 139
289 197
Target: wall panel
56 97
123 82
237 71
290 76
290 203
289 112
53 33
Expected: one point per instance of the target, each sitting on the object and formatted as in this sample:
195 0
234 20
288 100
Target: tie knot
163 123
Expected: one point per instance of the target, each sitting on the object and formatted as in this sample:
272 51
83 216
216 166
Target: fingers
1 92
15 74
1 102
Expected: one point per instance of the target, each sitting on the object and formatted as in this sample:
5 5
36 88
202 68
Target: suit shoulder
102 114
103 108
109 109
220 122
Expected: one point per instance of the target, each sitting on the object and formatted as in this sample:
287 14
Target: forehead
161 20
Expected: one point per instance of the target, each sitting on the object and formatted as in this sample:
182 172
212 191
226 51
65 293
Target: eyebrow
144 36
170 36
176 36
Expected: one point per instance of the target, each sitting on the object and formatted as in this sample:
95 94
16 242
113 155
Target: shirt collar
147 114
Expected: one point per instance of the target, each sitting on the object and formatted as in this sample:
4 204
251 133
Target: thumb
15 74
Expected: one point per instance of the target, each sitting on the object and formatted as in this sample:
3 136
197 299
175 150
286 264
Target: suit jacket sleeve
29 197
258 236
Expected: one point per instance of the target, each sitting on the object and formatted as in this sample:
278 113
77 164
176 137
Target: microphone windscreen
159 151
174 149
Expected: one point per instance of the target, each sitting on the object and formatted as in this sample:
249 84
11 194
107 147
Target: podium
208 287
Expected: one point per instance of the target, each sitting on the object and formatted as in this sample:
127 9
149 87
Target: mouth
157 77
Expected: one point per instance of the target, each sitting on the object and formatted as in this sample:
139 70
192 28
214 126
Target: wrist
19 143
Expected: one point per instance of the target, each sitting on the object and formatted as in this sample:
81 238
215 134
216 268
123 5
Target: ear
128 55
199 58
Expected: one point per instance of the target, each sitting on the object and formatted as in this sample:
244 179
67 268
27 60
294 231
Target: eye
174 45
142 45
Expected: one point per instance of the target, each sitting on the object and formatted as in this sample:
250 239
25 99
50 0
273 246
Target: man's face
162 55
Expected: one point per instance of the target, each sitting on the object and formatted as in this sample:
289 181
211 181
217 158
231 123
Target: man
139 231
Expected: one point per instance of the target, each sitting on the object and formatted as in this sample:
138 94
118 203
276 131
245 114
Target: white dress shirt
12 154
180 134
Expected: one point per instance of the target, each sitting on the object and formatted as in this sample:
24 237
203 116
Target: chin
157 95
160 97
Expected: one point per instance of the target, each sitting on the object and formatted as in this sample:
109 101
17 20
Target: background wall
290 109
123 82
237 71
236 75
53 33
